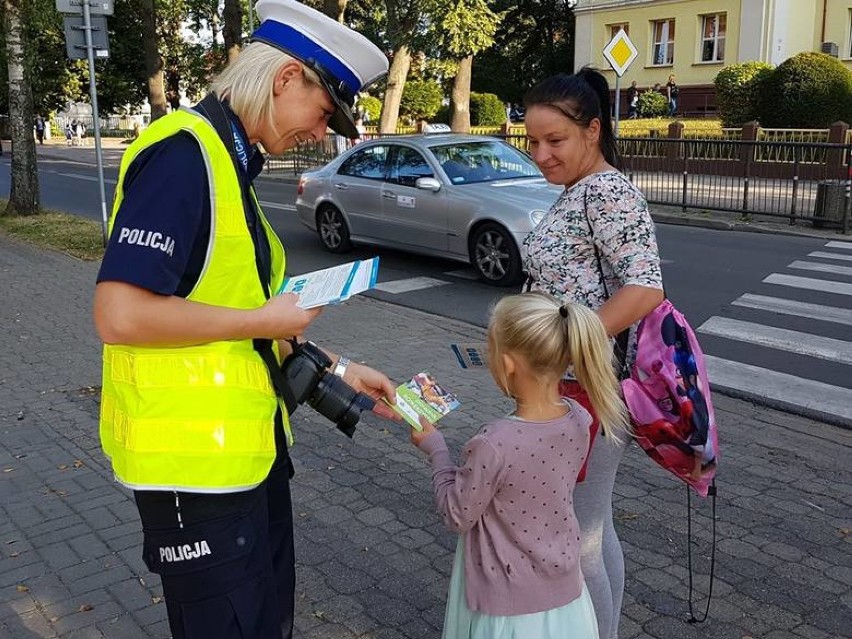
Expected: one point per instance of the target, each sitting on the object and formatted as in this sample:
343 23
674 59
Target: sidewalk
373 557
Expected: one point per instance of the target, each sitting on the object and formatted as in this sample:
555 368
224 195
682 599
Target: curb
782 406
744 227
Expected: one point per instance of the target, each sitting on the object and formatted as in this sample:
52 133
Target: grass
69 234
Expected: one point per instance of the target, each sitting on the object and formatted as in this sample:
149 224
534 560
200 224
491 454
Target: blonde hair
247 82
532 325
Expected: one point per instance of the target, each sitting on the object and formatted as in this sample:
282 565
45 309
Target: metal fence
803 182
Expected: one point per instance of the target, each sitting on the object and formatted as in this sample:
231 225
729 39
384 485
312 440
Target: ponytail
592 360
552 337
581 97
600 86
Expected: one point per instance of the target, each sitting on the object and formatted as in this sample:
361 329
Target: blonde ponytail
591 357
553 338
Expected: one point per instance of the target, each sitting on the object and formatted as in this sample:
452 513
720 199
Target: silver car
463 197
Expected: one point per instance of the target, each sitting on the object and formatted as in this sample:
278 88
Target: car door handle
341 186
389 195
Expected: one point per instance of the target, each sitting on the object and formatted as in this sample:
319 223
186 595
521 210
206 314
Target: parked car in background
463 197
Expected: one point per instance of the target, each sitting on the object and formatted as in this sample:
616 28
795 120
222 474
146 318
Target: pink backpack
668 397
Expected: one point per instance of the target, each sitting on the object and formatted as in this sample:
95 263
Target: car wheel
332 228
494 255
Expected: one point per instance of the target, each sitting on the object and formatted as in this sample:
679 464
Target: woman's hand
283 319
417 436
373 383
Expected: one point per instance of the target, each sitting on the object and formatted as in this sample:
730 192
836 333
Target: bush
420 99
810 90
653 104
738 89
486 109
371 107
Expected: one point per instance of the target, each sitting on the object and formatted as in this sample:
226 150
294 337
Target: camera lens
335 399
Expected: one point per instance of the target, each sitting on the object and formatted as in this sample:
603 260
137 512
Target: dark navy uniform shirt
161 230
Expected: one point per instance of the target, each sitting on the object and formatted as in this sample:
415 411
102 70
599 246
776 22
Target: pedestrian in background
516 572
672 93
633 101
39 129
595 247
194 332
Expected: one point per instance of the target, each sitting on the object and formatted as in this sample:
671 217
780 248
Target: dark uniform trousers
226 561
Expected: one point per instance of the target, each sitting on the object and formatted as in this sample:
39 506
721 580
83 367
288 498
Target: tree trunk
393 94
460 100
334 9
153 60
232 30
24 195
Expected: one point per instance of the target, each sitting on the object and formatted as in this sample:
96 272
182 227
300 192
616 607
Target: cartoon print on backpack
669 398
694 415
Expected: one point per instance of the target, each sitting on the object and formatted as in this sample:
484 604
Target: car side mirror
428 184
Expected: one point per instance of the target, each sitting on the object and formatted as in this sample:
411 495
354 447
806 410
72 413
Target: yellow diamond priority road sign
620 52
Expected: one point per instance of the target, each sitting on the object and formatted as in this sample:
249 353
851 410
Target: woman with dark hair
596 247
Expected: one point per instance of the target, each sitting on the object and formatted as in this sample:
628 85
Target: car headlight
537 216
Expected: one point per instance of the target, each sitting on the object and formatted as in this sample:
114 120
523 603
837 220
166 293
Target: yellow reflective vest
196 418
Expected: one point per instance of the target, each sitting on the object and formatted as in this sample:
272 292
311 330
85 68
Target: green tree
486 109
58 79
371 106
534 40
24 193
653 104
738 87
463 28
421 99
809 90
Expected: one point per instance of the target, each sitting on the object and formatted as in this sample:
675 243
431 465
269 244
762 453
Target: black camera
308 380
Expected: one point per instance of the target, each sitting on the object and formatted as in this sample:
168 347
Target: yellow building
693 39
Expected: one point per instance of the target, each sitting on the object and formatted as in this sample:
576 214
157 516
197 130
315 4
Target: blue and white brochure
333 285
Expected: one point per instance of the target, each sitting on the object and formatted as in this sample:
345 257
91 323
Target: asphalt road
717 278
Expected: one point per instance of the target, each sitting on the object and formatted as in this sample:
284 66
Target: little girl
516 573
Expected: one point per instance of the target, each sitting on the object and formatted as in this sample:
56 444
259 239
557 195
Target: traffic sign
75 37
99 7
620 52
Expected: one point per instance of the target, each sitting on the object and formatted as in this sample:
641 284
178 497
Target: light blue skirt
575 620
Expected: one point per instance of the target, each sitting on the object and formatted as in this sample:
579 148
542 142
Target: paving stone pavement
373 558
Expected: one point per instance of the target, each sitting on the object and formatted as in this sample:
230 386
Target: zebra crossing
801 322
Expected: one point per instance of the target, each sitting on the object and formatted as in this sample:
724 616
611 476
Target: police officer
186 309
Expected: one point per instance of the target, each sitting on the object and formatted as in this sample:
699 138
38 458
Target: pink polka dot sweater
512 498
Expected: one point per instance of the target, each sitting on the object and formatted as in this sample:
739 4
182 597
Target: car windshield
486 161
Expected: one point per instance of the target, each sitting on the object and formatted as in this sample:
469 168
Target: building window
663 38
614 29
850 34
713 29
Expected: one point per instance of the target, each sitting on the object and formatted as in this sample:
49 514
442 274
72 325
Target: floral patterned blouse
604 210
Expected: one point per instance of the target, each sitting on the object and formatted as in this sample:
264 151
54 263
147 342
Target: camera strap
211 107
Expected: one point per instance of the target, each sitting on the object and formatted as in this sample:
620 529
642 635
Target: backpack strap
712 494
622 339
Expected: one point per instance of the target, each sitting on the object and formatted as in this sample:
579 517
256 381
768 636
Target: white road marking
831 256
809 284
274 205
792 307
87 178
411 284
781 387
827 348
840 245
821 268
463 273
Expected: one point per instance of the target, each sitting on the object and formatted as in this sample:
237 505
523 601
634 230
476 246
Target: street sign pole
251 16
617 102
90 50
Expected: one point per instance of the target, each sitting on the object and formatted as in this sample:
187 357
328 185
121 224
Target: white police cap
345 60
